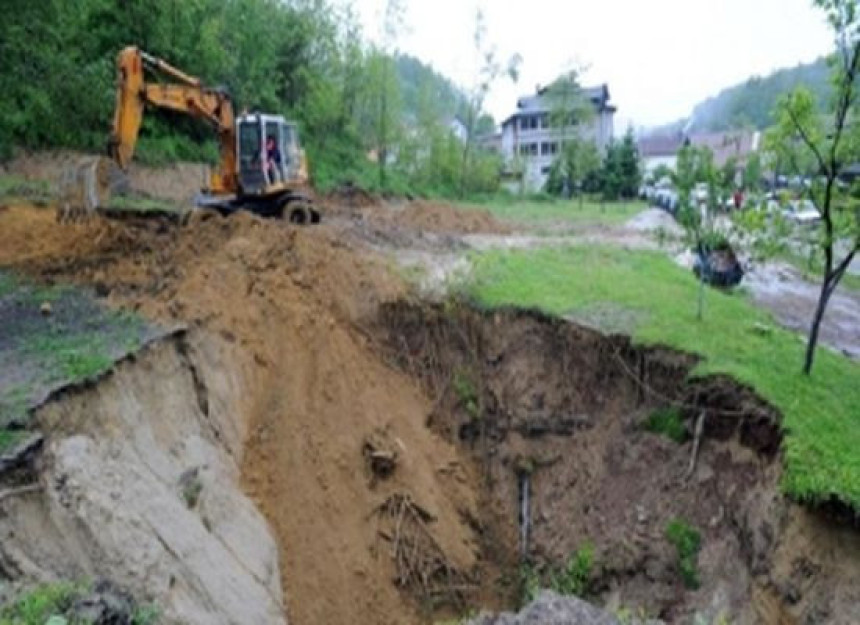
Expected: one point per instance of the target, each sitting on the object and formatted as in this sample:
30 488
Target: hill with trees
752 103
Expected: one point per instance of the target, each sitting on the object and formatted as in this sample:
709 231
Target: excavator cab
263 169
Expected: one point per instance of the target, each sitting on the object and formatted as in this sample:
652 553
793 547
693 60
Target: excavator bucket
83 187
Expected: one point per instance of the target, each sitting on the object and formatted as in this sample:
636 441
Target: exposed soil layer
540 399
386 443
313 394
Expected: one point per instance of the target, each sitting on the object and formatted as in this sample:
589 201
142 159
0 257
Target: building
657 150
736 144
530 142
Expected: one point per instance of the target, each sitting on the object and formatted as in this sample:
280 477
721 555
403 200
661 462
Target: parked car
802 212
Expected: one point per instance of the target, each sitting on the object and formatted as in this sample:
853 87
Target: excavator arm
185 95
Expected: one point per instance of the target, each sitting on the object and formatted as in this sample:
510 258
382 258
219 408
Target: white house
529 138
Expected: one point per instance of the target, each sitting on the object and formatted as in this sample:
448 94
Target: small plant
668 422
147 614
687 542
574 577
467 394
530 584
192 487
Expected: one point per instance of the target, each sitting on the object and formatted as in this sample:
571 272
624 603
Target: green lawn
548 212
821 414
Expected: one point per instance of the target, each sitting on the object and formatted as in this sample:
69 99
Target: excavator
262 167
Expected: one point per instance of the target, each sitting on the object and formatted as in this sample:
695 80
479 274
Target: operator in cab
273 160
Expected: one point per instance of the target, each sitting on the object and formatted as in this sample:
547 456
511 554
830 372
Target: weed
467 393
668 422
687 542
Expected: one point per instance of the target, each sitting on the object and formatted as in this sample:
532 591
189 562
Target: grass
40 604
71 357
687 542
10 438
139 203
821 413
668 422
18 187
548 211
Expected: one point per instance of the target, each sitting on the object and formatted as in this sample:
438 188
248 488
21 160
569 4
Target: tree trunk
812 341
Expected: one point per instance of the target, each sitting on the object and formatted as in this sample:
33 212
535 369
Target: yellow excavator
262 167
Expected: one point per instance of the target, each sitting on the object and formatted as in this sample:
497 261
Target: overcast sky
659 57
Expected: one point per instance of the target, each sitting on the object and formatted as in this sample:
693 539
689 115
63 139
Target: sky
659 57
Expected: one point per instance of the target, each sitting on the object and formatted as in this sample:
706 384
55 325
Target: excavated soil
386 443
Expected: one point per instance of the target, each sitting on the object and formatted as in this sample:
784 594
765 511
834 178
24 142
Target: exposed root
697 441
421 565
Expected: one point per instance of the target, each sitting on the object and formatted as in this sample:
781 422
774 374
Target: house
737 144
530 143
657 150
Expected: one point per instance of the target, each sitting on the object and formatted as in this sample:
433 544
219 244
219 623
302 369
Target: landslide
387 443
314 396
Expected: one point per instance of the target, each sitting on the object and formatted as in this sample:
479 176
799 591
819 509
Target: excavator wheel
301 213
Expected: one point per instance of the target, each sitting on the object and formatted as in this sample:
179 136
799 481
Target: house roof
536 103
660 145
725 145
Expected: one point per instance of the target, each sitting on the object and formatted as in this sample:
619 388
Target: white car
802 212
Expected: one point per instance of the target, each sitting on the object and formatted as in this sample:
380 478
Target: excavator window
250 146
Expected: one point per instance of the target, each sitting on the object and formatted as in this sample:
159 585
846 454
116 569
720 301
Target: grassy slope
539 211
821 414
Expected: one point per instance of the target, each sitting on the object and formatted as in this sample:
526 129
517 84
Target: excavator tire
301 213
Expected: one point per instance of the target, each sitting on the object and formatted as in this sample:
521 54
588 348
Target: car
802 212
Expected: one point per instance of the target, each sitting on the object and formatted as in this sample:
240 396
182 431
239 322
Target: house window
553 148
533 149
544 121
544 149
545 171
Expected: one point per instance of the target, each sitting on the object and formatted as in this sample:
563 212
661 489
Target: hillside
752 103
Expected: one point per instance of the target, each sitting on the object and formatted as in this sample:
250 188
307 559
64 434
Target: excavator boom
185 96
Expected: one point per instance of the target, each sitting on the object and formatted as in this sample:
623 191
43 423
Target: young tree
801 134
695 167
490 70
569 109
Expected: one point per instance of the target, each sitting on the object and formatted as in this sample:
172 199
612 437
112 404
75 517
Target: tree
696 167
803 136
568 110
629 167
489 71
